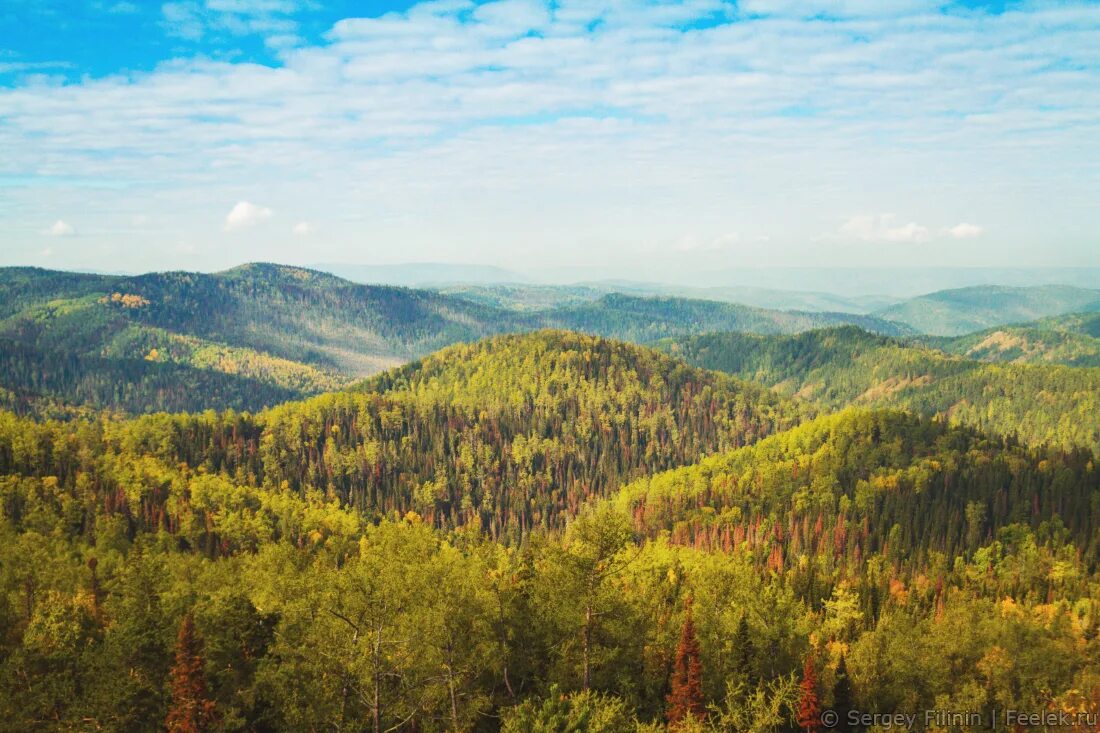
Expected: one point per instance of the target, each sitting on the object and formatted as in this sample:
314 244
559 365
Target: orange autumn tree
809 708
686 695
191 711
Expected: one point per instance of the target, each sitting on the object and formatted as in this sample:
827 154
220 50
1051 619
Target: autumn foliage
191 710
809 709
686 696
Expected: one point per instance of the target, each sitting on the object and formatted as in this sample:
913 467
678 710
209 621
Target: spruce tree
686 696
842 693
744 655
809 709
191 711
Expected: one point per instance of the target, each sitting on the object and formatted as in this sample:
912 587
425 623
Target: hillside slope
646 319
906 487
1073 340
244 338
259 334
833 368
965 310
509 435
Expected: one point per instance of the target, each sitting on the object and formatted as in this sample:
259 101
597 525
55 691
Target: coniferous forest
549 366
545 531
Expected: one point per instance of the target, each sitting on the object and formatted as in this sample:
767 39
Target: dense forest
1073 340
258 335
832 368
548 532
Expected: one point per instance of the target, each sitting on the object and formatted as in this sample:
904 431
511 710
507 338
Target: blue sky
630 138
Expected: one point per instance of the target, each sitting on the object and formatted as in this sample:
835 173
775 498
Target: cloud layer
506 130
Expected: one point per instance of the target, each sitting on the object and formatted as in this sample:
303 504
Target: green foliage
833 368
1073 340
260 334
504 536
582 712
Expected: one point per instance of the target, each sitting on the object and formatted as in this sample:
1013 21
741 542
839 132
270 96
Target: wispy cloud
883 228
195 19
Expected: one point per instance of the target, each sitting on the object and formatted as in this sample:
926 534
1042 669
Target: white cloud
302 228
454 128
965 231
245 214
882 228
59 229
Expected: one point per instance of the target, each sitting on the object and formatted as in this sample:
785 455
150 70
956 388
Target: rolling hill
834 368
259 334
965 310
531 531
1072 339
644 319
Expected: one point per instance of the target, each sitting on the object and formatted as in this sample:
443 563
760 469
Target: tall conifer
686 696
191 711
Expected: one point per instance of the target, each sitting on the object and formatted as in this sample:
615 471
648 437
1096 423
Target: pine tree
809 709
686 696
842 692
744 654
191 711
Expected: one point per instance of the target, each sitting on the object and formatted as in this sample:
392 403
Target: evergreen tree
191 711
809 709
842 693
744 655
686 696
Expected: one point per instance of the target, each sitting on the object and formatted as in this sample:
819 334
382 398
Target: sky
635 139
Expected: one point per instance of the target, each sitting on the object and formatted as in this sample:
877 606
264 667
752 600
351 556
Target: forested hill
287 312
1072 339
508 435
837 367
261 334
245 338
965 310
860 483
538 531
643 319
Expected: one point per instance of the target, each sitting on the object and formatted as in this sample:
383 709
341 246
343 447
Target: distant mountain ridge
298 331
965 310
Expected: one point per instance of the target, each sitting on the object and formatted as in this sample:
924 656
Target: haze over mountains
882 282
